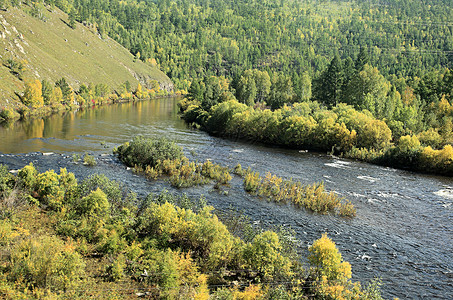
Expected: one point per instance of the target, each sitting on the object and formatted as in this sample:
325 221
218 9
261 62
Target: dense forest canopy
196 38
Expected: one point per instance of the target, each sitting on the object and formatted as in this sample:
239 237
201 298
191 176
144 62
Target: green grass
53 50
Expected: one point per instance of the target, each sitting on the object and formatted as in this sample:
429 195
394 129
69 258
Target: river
403 232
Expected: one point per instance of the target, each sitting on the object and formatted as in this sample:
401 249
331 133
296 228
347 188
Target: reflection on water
64 132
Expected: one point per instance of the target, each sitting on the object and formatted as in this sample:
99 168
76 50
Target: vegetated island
162 157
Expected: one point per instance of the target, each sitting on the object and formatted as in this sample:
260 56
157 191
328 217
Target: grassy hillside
50 49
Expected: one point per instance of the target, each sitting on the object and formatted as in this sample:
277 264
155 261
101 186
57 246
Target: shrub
7 181
95 204
263 255
163 157
331 273
251 292
8 114
115 271
148 152
176 275
431 138
312 197
327 260
89 160
49 190
28 176
251 181
46 262
112 189
201 233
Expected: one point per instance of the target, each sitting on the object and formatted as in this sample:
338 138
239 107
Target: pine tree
331 83
47 91
65 89
362 59
72 18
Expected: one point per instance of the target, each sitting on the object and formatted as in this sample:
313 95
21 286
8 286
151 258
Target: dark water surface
403 231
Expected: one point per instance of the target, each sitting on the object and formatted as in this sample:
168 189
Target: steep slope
50 49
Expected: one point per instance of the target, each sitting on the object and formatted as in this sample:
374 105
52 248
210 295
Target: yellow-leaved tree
33 94
331 273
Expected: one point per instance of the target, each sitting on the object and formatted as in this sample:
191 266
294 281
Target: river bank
402 232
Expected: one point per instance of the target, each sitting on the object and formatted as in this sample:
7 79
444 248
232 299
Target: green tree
362 59
72 18
196 91
246 90
368 89
263 85
281 91
101 90
330 83
47 91
65 89
302 87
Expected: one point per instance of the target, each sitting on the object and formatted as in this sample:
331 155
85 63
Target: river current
403 232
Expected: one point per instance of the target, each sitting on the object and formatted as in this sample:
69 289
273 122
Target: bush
263 255
28 176
201 233
7 181
327 260
46 262
95 204
312 197
112 189
89 160
148 152
48 188
176 275
331 273
8 114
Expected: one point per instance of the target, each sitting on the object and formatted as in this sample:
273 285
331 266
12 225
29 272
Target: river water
403 232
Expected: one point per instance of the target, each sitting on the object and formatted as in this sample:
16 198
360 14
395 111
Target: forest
388 62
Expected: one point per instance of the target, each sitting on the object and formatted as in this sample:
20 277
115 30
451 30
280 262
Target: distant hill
50 49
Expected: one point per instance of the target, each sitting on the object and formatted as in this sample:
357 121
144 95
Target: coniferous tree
362 59
65 88
195 91
72 18
349 72
47 90
331 83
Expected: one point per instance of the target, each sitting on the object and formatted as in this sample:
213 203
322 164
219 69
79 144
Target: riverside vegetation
155 158
42 98
352 130
64 239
